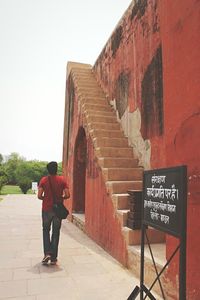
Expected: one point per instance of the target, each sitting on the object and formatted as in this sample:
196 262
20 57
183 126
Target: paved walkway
84 271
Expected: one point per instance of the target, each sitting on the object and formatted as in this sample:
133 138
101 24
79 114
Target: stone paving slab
84 271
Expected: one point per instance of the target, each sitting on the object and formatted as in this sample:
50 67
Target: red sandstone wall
101 223
180 27
151 64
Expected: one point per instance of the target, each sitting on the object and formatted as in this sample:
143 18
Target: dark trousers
50 243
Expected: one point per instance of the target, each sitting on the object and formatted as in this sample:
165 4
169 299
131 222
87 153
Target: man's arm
40 193
66 193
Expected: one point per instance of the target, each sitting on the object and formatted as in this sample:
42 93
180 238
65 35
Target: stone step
111 142
91 93
92 100
114 152
100 113
106 133
79 220
97 107
118 187
122 174
89 84
102 98
122 216
78 78
82 68
80 75
103 119
120 201
159 253
112 162
84 77
158 249
93 88
106 126
132 237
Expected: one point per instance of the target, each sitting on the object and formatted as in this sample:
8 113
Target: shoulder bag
58 207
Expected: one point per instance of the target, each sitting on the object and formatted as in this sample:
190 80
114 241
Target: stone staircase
119 166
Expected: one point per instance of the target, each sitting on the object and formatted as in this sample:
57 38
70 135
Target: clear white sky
37 39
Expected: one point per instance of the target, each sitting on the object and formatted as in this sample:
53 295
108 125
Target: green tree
38 169
22 173
1 159
3 177
60 168
24 176
28 172
11 166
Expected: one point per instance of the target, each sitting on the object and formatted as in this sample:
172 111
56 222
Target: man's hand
66 194
40 194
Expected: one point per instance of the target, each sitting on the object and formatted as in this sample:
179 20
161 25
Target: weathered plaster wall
150 70
129 69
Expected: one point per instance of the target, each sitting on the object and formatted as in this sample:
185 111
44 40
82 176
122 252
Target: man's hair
52 167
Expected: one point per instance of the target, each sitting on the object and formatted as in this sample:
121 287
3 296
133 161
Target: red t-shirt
58 184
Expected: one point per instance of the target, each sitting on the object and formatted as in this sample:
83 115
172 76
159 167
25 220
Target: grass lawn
13 189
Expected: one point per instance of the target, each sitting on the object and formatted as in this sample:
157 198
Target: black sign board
164 208
164 199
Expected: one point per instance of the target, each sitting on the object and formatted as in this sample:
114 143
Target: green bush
3 177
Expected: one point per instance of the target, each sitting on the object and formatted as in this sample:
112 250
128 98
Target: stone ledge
78 219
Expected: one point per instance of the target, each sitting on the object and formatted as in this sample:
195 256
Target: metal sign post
164 208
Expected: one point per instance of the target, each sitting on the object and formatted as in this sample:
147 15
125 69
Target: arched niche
79 172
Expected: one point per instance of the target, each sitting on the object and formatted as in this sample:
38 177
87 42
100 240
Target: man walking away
49 185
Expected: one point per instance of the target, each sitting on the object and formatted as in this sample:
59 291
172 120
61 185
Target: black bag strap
51 188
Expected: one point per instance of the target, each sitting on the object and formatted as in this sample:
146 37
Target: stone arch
79 172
